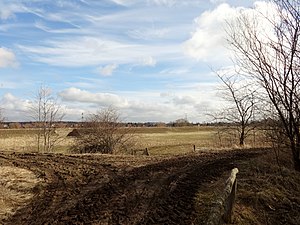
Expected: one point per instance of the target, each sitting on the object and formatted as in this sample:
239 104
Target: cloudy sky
150 59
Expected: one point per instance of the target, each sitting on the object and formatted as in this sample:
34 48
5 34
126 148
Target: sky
152 60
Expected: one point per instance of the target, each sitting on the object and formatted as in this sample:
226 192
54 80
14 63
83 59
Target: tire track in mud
88 191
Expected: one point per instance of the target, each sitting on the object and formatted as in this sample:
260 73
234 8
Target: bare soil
96 189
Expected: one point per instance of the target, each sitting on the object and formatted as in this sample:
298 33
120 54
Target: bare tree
272 58
104 132
239 113
1 116
46 111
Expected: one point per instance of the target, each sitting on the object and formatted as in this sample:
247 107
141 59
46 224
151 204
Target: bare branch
272 60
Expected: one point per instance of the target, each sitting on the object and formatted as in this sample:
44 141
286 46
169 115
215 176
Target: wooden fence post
146 152
223 206
230 193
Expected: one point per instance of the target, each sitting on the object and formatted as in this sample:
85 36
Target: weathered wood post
230 193
223 207
146 152
194 148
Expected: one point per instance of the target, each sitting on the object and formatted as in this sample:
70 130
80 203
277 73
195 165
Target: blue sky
150 59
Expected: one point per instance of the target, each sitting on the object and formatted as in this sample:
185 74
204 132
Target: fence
223 206
141 151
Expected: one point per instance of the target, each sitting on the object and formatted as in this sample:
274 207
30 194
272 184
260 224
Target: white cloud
184 100
179 100
217 1
7 58
173 3
178 71
164 2
124 2
102 99
9 101
87 51
208 41
168 3
133 106
141 106
8 9
14 108
148 61
41 25
108 69
149 33
263 15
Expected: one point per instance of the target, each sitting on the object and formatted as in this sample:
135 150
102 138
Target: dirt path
92 190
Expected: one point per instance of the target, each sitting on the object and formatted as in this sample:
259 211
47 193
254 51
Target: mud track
94 190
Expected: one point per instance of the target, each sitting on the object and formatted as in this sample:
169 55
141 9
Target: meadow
158 140
262 179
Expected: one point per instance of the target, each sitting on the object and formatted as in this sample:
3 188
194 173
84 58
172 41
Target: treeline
74 124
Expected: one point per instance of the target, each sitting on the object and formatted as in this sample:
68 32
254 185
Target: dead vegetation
16 189
268 192
97 189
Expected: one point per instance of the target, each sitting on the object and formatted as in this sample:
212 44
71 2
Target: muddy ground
95 189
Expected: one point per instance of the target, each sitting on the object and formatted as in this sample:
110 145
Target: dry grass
25 140
158 140
173 142
16 189
268 193
204 200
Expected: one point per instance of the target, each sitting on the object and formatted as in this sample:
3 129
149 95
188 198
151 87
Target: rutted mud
102 190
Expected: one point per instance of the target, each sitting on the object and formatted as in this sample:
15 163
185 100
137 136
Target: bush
103 133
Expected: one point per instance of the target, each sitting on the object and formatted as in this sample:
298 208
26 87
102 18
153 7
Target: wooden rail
142 151
222 208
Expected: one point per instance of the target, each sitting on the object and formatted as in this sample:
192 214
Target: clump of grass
16 189
268 193
204 199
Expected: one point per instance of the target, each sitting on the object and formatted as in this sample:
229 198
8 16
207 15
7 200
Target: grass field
268 190
158 140
16 186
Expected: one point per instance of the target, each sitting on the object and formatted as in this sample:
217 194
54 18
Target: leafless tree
272 58
46 111
240 110
1 116
103 132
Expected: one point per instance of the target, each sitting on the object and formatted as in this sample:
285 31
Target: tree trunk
297 164
296 157
242 138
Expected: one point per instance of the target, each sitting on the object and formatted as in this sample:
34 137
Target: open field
158 140
174 185
99 189
111 189
25 140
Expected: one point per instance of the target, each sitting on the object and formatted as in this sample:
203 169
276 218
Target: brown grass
207 196
158 140
16 189
268 192
25 140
